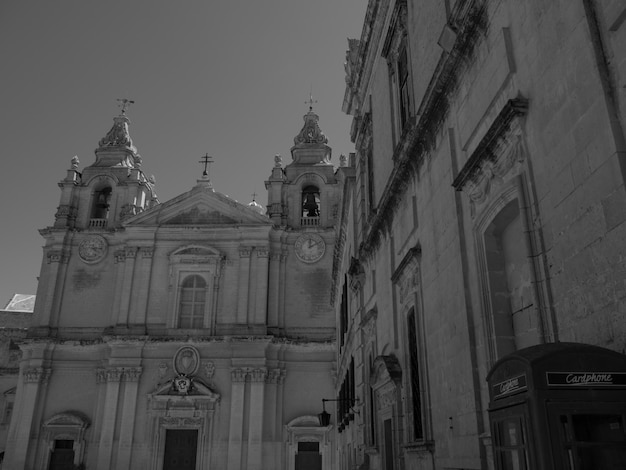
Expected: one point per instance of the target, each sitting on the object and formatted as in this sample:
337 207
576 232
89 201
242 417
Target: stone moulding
486 149
420 134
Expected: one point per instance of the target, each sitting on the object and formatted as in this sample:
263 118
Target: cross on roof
311 100
125 104
207 160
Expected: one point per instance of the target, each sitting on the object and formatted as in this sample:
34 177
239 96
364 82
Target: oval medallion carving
186 361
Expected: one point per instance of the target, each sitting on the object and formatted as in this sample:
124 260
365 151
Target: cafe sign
509 386
586 379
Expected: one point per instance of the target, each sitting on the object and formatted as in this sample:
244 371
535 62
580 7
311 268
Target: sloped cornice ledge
489 143
470 20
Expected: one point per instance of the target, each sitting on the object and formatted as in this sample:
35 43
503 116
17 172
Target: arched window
310 205
514 325
101 204
192 302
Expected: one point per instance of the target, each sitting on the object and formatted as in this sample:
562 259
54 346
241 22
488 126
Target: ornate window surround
70 425
202 261
498 172
386 380
307 429
407 279
395 47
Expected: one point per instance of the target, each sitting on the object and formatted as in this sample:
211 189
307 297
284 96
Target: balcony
98 224
309 221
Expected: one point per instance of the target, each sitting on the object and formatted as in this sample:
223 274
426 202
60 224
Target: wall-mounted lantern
324 416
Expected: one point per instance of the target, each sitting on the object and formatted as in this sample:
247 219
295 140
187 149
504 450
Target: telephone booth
559 406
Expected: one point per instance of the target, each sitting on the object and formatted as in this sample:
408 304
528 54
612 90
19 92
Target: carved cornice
420 134
487 149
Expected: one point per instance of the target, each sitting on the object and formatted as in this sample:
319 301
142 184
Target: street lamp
324 416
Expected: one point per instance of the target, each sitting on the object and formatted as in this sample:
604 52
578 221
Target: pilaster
255 428
244 285
273 290
129 256
113 377
30 388
129 406
235 437
260 317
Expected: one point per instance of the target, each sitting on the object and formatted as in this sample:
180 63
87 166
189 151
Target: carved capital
262 252
56 256
258 375
114 374
131 252
275 376
101 375
238 375
119 256
36 375
147 252
132 374
244 252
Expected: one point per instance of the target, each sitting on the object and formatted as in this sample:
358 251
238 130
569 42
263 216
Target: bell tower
111 189
304 194
303 199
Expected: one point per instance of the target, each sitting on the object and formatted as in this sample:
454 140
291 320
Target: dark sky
225 77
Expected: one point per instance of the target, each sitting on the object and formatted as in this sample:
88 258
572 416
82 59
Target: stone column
260 311
125 445
107 433
255 427
244 285
235 437
17 449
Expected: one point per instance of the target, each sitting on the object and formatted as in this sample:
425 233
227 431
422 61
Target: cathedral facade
193 333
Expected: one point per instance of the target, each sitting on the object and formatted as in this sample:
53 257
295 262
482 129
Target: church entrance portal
62 457
180 449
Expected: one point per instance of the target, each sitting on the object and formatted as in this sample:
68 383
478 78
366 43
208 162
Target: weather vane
207 160
311 100
125 104
254 196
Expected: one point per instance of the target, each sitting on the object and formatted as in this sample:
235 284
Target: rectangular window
416 399
388 438
403 86
510 444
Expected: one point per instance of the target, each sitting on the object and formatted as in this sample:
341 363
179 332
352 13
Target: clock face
310 247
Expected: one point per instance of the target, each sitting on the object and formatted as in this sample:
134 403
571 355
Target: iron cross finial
254 196
207 160
125 104
311 100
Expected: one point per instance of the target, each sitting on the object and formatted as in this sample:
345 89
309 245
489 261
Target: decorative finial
311 100
207 160
125 104
278 161
75 162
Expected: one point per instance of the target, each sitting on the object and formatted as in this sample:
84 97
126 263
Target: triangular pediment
199 207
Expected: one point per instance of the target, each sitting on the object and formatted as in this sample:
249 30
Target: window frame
194 260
